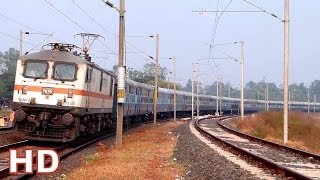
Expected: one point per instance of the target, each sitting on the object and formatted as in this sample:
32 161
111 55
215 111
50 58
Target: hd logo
42 158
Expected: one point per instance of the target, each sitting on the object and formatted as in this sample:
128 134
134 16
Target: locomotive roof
49 55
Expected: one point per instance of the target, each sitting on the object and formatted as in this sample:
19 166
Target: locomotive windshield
36 69
64 71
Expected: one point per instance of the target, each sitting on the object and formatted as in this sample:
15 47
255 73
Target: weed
303 129
92 158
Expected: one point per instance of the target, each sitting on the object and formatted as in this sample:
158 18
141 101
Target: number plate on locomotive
47 91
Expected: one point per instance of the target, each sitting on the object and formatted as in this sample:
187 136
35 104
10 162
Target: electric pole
289 101
242 80
315 101
156 83
286 69
267 96
192 101
121 75
220 96
309 101
217 97
198 90
21 41
175 91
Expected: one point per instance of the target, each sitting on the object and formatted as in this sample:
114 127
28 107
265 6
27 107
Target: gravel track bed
280 156
201 161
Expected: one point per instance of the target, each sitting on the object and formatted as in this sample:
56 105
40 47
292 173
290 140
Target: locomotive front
47 94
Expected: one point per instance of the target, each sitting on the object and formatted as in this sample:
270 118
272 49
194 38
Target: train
60 95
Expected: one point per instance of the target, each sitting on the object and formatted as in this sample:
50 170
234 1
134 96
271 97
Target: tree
147 76
8 63
188 86
149 72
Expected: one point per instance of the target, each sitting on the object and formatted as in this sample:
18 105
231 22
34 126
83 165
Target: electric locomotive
60 94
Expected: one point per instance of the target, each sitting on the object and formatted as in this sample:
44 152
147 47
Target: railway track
13 145
291 162
64 151
20 146
6 130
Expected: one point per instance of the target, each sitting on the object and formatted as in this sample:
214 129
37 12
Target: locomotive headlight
67 119
59 103
33 101
24 89
70 93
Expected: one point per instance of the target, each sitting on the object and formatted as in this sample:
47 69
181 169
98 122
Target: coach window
131 89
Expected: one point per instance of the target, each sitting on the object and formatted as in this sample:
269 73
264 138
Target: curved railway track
285 160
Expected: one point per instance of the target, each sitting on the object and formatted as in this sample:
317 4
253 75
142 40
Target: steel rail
265 161
5 171
13 145
5 128
301 152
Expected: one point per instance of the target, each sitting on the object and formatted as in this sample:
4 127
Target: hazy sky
183 34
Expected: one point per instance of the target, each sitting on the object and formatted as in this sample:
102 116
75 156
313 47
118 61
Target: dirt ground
10 138
316 116
145 154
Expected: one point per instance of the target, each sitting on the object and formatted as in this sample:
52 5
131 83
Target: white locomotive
58 94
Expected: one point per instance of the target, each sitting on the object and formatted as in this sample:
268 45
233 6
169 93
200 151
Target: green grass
92 158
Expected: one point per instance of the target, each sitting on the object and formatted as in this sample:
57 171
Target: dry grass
146 154
303 129
5 112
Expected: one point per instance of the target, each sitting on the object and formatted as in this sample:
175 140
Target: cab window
64 71
36 69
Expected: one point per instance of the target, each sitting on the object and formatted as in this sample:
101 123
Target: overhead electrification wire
34 47
95 21
28 27
8 35
215 27
66 16
225 54
215 32
74 22
17 22
110 32
260 8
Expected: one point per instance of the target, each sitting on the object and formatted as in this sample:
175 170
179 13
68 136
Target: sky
184 34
